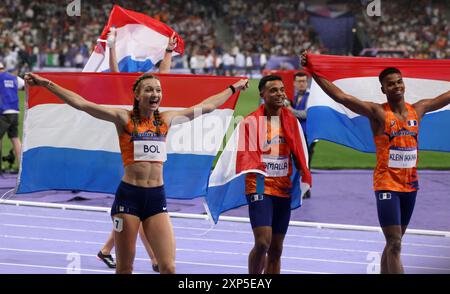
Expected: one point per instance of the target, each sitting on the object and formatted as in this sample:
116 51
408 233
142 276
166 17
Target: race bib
150 150
276 166
402 157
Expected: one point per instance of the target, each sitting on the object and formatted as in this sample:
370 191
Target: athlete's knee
275 251
262 244
167 267
394 245
124 269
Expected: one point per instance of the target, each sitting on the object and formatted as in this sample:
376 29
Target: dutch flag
358 76
67 149
140 43
227 182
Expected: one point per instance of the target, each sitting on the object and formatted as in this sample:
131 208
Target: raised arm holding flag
395 129
163 65
142 134
140 42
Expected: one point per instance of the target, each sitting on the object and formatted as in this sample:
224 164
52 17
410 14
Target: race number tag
402 157
150 150
118 224
276 166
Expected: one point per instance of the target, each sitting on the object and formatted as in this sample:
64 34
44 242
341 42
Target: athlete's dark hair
265 79
388 71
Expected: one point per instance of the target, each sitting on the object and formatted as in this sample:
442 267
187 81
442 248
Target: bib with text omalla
150 149
402 157
276 166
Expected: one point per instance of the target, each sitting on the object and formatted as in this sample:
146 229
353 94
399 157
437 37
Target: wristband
232 88
169 50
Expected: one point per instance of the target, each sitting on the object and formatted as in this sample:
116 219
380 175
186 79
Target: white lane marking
52 267
245 232
240 242
230 241
56 218
139 259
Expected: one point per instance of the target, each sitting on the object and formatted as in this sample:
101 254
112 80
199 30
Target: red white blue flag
358 76
243 155
67 149
140 43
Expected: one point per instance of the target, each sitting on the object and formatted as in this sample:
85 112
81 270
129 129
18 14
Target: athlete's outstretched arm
207 105
167 60
428 105
368 109
111 43
116 116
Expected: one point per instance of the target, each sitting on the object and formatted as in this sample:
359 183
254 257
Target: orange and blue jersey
146 130
277 161
396 151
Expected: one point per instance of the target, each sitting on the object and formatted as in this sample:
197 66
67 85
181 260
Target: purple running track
47 240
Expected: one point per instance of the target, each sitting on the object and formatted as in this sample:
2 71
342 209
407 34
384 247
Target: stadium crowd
276 28
420 27
40 32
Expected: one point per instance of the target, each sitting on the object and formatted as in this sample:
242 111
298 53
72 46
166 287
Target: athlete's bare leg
257 256
392 250
273 264
125 241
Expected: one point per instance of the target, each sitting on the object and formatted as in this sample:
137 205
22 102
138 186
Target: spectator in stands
268 27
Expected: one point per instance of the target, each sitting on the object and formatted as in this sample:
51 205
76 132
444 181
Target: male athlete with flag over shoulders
265 166
269 198
395 126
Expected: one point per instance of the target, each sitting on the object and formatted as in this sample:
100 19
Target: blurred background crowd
229 36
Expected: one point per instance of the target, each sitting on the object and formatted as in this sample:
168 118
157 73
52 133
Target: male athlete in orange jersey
269 198
395 126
